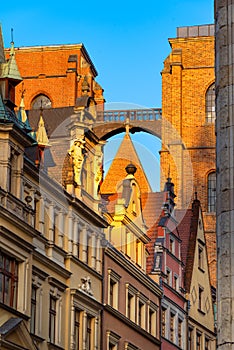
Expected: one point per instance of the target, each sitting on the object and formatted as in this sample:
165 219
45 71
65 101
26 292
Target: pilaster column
61 229
75 238
70 232
224 49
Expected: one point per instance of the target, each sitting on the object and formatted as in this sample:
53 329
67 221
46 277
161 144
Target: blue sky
126 40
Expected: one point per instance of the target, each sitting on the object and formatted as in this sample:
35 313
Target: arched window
212 192
41 101
210 104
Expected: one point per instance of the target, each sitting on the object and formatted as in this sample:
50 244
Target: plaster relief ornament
98 169
86 285
77 153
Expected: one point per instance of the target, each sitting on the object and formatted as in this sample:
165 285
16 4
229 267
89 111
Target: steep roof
10 69
188 229
126 154
55 119
184 218
152 208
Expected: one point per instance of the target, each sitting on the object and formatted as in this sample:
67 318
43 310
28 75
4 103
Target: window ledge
14 311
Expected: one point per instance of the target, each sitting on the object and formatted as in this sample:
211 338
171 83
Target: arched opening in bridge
147 147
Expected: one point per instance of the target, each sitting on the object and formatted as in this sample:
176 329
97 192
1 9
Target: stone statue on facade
77 153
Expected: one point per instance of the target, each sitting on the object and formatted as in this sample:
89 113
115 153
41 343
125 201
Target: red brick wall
188 150
47 70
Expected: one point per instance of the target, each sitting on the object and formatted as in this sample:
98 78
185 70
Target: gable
201 305
14 333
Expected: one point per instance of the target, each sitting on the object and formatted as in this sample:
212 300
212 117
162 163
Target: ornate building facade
54 258
50 244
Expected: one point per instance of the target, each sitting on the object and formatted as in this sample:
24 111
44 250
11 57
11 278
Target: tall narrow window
200 298
8 280
207 343
77 329
112 284
210 104
200 258
152 322
172 245
212 192
33 309
52 319
168 276
89 333
190 339
180 322
140 314
113 288
198 341
129 301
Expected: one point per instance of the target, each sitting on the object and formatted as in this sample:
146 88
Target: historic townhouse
51 257
131 318
165 266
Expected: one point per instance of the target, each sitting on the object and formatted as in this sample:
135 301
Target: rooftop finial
12 38
127 125
169 173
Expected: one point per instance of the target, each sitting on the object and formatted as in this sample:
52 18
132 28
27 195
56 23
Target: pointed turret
11 69
9 75
42 138
169 196
22 115
43 156
126 154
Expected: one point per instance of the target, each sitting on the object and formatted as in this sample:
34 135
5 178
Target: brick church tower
188 131
56 75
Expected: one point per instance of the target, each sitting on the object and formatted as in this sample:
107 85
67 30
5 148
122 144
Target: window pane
212 192
8 280
210 104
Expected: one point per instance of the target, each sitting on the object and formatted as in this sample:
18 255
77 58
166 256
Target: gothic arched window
210 104
212 192
41 101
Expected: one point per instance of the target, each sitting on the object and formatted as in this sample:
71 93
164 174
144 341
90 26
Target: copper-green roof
9 69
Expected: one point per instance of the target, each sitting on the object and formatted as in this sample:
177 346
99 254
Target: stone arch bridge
112 122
